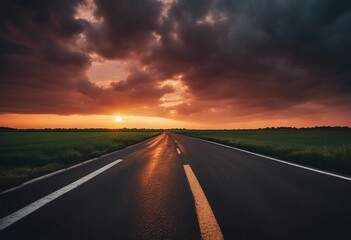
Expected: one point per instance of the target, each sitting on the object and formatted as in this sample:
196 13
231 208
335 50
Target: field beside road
25 155
326 149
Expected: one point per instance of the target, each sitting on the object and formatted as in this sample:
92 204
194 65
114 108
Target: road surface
177 187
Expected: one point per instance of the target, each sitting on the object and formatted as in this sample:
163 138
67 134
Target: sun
118 119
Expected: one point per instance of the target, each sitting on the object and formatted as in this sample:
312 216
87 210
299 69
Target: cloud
270 56
237 59
44 58
127 27
141 84
39 60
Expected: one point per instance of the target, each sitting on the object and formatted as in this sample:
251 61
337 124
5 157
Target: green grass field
26 155
327 149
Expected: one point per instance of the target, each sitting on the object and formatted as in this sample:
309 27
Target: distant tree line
7 129
275 128
306 128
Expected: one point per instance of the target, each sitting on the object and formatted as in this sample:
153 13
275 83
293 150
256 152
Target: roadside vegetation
28 154
323 148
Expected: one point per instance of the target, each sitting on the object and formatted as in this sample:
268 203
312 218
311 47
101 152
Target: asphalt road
147 196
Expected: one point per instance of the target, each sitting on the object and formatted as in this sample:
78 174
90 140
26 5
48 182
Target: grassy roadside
327 149
26 155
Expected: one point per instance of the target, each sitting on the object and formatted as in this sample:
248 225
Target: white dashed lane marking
178 151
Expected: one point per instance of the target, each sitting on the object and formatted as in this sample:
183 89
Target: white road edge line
69 168
18 215
208 224
178 151
52 174
277 160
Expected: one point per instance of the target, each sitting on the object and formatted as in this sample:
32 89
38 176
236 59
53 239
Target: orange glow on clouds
104 72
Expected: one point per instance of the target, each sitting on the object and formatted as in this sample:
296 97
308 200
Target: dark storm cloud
43 65
141 88
272 54
142 84
257 56
127 26
39 63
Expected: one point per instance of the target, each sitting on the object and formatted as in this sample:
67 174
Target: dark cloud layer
127 26
255 56
275 53
39 62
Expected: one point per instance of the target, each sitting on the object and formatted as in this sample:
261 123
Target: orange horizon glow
39 121
24 121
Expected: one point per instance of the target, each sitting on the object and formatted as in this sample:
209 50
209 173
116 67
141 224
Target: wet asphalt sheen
147 196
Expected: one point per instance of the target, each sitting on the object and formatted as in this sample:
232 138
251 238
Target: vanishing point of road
177 187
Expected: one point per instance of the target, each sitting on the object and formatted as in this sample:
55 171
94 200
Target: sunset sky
175 63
